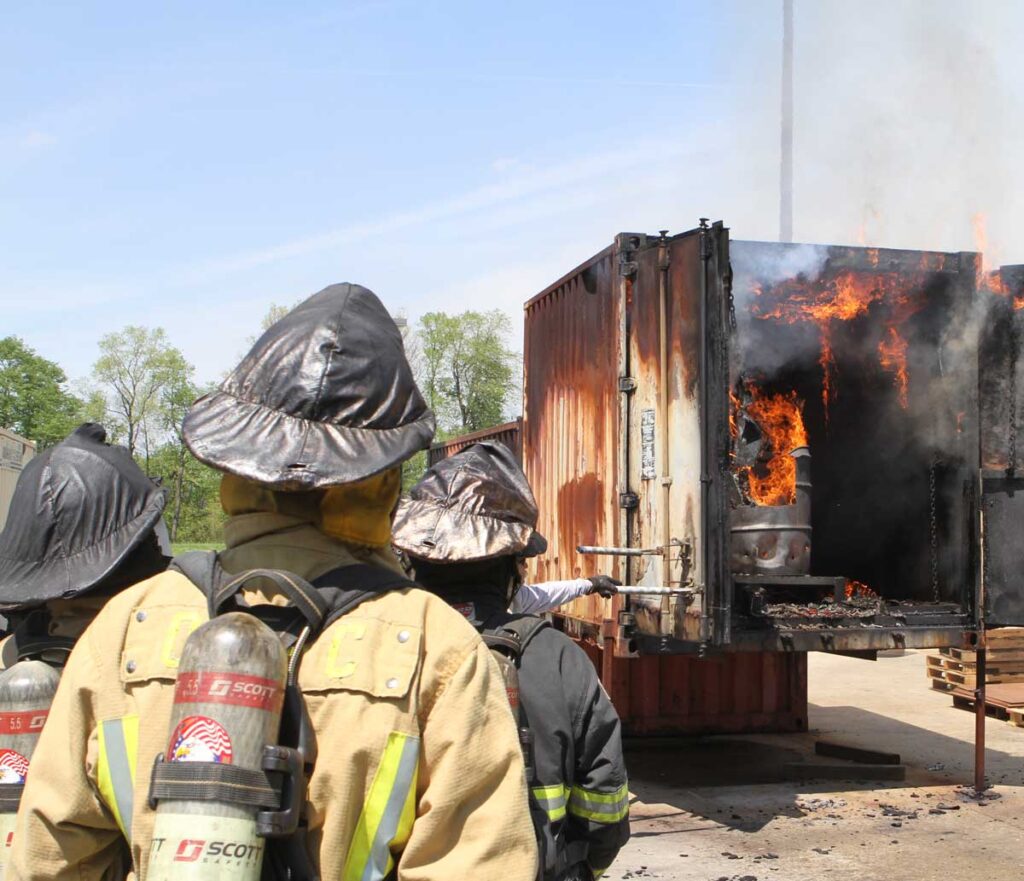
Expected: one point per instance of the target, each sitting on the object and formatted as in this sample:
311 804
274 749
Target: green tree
135 368
34 399
466 370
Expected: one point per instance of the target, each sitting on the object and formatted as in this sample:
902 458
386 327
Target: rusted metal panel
15 452
724 694
571 422
509 434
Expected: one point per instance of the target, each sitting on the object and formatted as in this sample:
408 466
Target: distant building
15 452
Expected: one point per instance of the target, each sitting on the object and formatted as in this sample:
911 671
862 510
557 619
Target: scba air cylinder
26 692
227 708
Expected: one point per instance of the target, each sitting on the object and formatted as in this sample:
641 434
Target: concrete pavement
718 809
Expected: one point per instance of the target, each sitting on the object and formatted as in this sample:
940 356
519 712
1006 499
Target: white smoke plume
908 120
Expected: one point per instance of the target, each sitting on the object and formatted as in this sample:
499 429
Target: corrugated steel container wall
739 692
15 452
510 434
571 422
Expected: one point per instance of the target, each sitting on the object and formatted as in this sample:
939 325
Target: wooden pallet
959 667
1001 701
996 652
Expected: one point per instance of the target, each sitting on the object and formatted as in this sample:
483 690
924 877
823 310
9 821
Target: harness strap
212 781
10 797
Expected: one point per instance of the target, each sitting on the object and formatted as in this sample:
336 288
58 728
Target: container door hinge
629 500
627 384
705 240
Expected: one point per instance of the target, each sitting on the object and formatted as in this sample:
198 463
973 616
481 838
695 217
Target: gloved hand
604 585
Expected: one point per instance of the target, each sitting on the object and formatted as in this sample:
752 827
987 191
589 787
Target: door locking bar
619 552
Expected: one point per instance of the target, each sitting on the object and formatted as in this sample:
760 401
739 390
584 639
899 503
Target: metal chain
1011 463
933 522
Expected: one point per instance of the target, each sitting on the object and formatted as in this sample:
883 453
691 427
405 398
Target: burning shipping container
785 435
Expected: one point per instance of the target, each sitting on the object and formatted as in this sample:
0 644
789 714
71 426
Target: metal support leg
979 722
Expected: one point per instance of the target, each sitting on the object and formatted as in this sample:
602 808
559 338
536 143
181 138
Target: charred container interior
872 350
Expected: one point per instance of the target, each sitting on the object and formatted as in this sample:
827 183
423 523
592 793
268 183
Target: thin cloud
36 139
526 184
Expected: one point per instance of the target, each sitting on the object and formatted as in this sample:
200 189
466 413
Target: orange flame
859 589
772 481
892 353
843 297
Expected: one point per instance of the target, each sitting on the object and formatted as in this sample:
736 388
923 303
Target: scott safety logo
199 687
200 739
13 766
189 850
201 850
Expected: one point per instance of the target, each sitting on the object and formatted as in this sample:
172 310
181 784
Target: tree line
141 385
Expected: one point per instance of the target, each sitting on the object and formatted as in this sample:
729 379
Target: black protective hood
474 505
325 397
79 513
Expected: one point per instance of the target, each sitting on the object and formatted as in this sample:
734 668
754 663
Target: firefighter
465 528
419 773
85 522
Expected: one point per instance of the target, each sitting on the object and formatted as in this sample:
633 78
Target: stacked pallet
958 668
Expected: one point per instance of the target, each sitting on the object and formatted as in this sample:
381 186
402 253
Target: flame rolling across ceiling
772 479
843 297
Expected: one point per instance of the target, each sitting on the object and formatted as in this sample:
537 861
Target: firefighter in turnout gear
85 522
419 774
464 528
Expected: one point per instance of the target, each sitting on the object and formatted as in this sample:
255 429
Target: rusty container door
678 418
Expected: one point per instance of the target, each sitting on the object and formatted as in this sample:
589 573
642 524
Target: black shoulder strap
350 586
203 569
364 577
522 627
320 602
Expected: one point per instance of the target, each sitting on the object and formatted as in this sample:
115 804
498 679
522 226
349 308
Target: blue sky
186 165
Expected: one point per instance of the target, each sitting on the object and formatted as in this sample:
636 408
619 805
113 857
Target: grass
182 547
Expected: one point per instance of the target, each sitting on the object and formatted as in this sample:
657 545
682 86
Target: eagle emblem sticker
200 739
13 766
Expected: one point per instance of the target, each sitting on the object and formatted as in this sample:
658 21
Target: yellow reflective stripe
603 798
387 817
118 741
600 807
552 799
546 792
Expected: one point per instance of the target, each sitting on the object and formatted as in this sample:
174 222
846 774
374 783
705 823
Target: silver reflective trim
119 766
380 851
